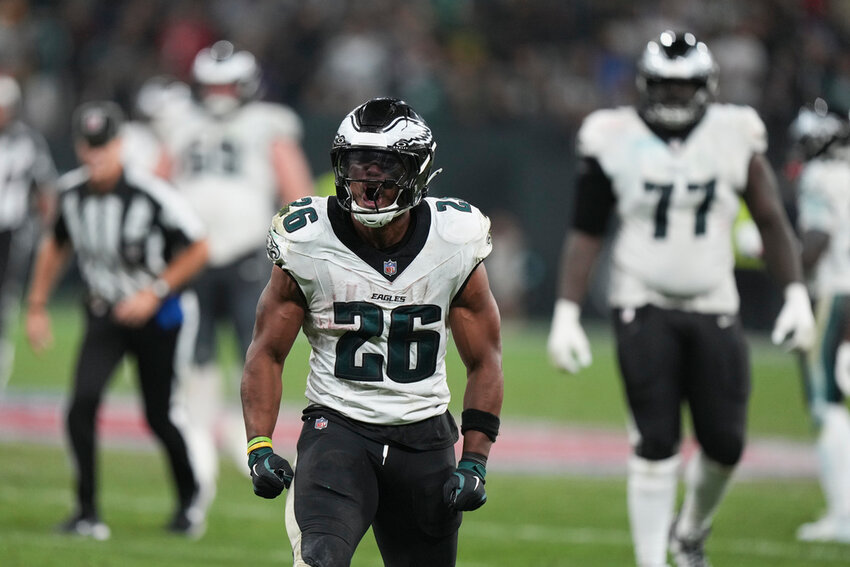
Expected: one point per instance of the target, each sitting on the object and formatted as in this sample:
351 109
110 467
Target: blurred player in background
160 102
673 168
27 185
375 275
823 143
237 160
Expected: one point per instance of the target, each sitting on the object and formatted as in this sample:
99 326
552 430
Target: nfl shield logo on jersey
321 423
390 267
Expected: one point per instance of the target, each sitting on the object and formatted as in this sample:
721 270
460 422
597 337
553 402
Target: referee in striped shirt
137 244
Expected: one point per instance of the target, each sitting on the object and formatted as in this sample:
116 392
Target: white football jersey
140 148
676 204
224 168
825 206
378 322
25 164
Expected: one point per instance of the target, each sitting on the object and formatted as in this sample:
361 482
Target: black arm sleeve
60 229
594 199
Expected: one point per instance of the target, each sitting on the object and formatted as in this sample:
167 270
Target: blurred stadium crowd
478 60
466 63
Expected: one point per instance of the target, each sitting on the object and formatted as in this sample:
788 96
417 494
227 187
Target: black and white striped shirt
25 165
124 237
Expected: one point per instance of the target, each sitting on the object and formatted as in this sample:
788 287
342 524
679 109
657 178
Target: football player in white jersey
27 199
160 101
673 168
375 276
237 160
824 222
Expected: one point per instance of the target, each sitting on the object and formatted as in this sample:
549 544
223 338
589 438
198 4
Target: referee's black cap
96 123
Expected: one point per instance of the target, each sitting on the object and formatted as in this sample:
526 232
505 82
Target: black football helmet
389 132
676 79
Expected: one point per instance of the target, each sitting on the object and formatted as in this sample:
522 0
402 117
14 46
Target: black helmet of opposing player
225 77
676 79
389 133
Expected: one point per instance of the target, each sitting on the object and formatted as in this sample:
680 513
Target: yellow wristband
258 442
260 445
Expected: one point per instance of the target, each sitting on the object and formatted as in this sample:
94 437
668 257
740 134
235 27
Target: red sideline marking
521 447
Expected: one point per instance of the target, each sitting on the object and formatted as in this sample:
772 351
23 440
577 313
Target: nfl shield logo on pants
390 267
321 423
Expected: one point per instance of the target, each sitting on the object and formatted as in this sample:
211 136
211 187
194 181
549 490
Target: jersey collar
391 262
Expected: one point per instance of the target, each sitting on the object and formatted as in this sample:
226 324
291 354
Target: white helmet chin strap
671 116
678 115
220 105
373 219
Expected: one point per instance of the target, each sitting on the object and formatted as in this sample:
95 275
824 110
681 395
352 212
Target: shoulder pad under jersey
458 221
744 120
278 120
300 221
297 222
600 127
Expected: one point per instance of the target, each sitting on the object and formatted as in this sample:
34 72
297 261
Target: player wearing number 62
375 276
673 169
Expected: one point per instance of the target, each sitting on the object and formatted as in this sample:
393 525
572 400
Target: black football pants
669 357
230 292
345 482
103 347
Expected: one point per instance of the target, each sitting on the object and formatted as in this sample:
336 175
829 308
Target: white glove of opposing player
842 368
568 346
795 325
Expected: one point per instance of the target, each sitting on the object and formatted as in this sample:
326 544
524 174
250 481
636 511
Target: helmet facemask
674 104
219 104
381 181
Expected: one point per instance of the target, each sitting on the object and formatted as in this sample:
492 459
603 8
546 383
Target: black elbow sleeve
594 198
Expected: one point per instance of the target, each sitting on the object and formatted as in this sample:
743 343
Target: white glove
795 325
568 346
842 368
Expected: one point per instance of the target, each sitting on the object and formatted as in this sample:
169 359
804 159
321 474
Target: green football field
529 520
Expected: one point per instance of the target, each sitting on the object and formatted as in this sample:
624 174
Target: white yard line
765 549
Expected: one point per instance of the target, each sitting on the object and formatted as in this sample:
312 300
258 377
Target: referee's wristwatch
160 288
